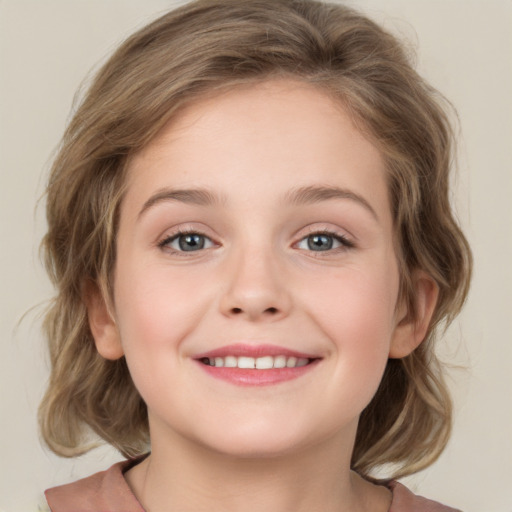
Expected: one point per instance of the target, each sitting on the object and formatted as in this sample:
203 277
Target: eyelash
345 243
164 244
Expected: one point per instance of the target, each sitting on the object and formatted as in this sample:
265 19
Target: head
205 49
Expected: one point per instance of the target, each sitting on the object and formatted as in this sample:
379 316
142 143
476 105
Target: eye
187 242
323 242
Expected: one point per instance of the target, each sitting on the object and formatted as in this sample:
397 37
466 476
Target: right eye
187 242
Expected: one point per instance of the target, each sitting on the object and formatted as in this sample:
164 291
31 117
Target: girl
251 238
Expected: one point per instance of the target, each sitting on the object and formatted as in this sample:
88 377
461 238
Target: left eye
188 242
322 242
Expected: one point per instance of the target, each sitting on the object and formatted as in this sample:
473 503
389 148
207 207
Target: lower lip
250 377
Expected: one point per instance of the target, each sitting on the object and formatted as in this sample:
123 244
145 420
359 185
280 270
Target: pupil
320 242
191 242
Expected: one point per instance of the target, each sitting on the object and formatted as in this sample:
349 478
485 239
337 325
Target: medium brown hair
208 46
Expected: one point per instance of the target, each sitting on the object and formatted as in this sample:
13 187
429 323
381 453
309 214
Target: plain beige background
464 48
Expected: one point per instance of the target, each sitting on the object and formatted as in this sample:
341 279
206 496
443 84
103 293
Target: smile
260 363
256 365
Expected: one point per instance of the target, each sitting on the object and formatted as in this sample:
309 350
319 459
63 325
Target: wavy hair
214 45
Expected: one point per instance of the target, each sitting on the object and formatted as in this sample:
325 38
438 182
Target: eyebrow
317 194
196 196
299 196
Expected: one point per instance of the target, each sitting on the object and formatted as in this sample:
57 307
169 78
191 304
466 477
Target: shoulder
405 501
107 490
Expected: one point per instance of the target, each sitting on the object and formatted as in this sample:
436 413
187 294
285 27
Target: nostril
237 311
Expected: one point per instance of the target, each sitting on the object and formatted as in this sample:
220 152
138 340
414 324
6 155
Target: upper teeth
259 363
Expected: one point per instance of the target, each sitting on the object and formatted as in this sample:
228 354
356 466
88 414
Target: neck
187 477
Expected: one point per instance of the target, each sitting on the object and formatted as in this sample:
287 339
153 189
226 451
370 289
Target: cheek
353 300
356 310
157 307
155 310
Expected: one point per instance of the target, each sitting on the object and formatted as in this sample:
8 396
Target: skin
284 447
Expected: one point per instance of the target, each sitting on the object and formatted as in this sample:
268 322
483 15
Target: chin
258 449
258 441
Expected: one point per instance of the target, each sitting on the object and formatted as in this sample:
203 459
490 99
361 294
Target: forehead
262 109
282 132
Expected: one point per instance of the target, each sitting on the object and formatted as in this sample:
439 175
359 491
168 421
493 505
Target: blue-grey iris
320 242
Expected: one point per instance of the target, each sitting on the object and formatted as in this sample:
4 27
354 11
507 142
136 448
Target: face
256 281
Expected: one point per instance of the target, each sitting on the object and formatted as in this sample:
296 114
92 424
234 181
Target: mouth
257 363
249 365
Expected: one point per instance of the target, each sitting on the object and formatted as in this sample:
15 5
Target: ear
410 331
102 324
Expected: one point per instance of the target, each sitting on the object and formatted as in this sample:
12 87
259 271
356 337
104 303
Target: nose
255 288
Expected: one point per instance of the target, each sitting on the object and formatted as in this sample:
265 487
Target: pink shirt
108 491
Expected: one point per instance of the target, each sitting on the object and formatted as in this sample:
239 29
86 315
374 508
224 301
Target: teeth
291 362
279 362
260 363
264 363
230 362
245 362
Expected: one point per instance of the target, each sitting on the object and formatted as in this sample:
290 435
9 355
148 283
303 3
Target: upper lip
254 350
